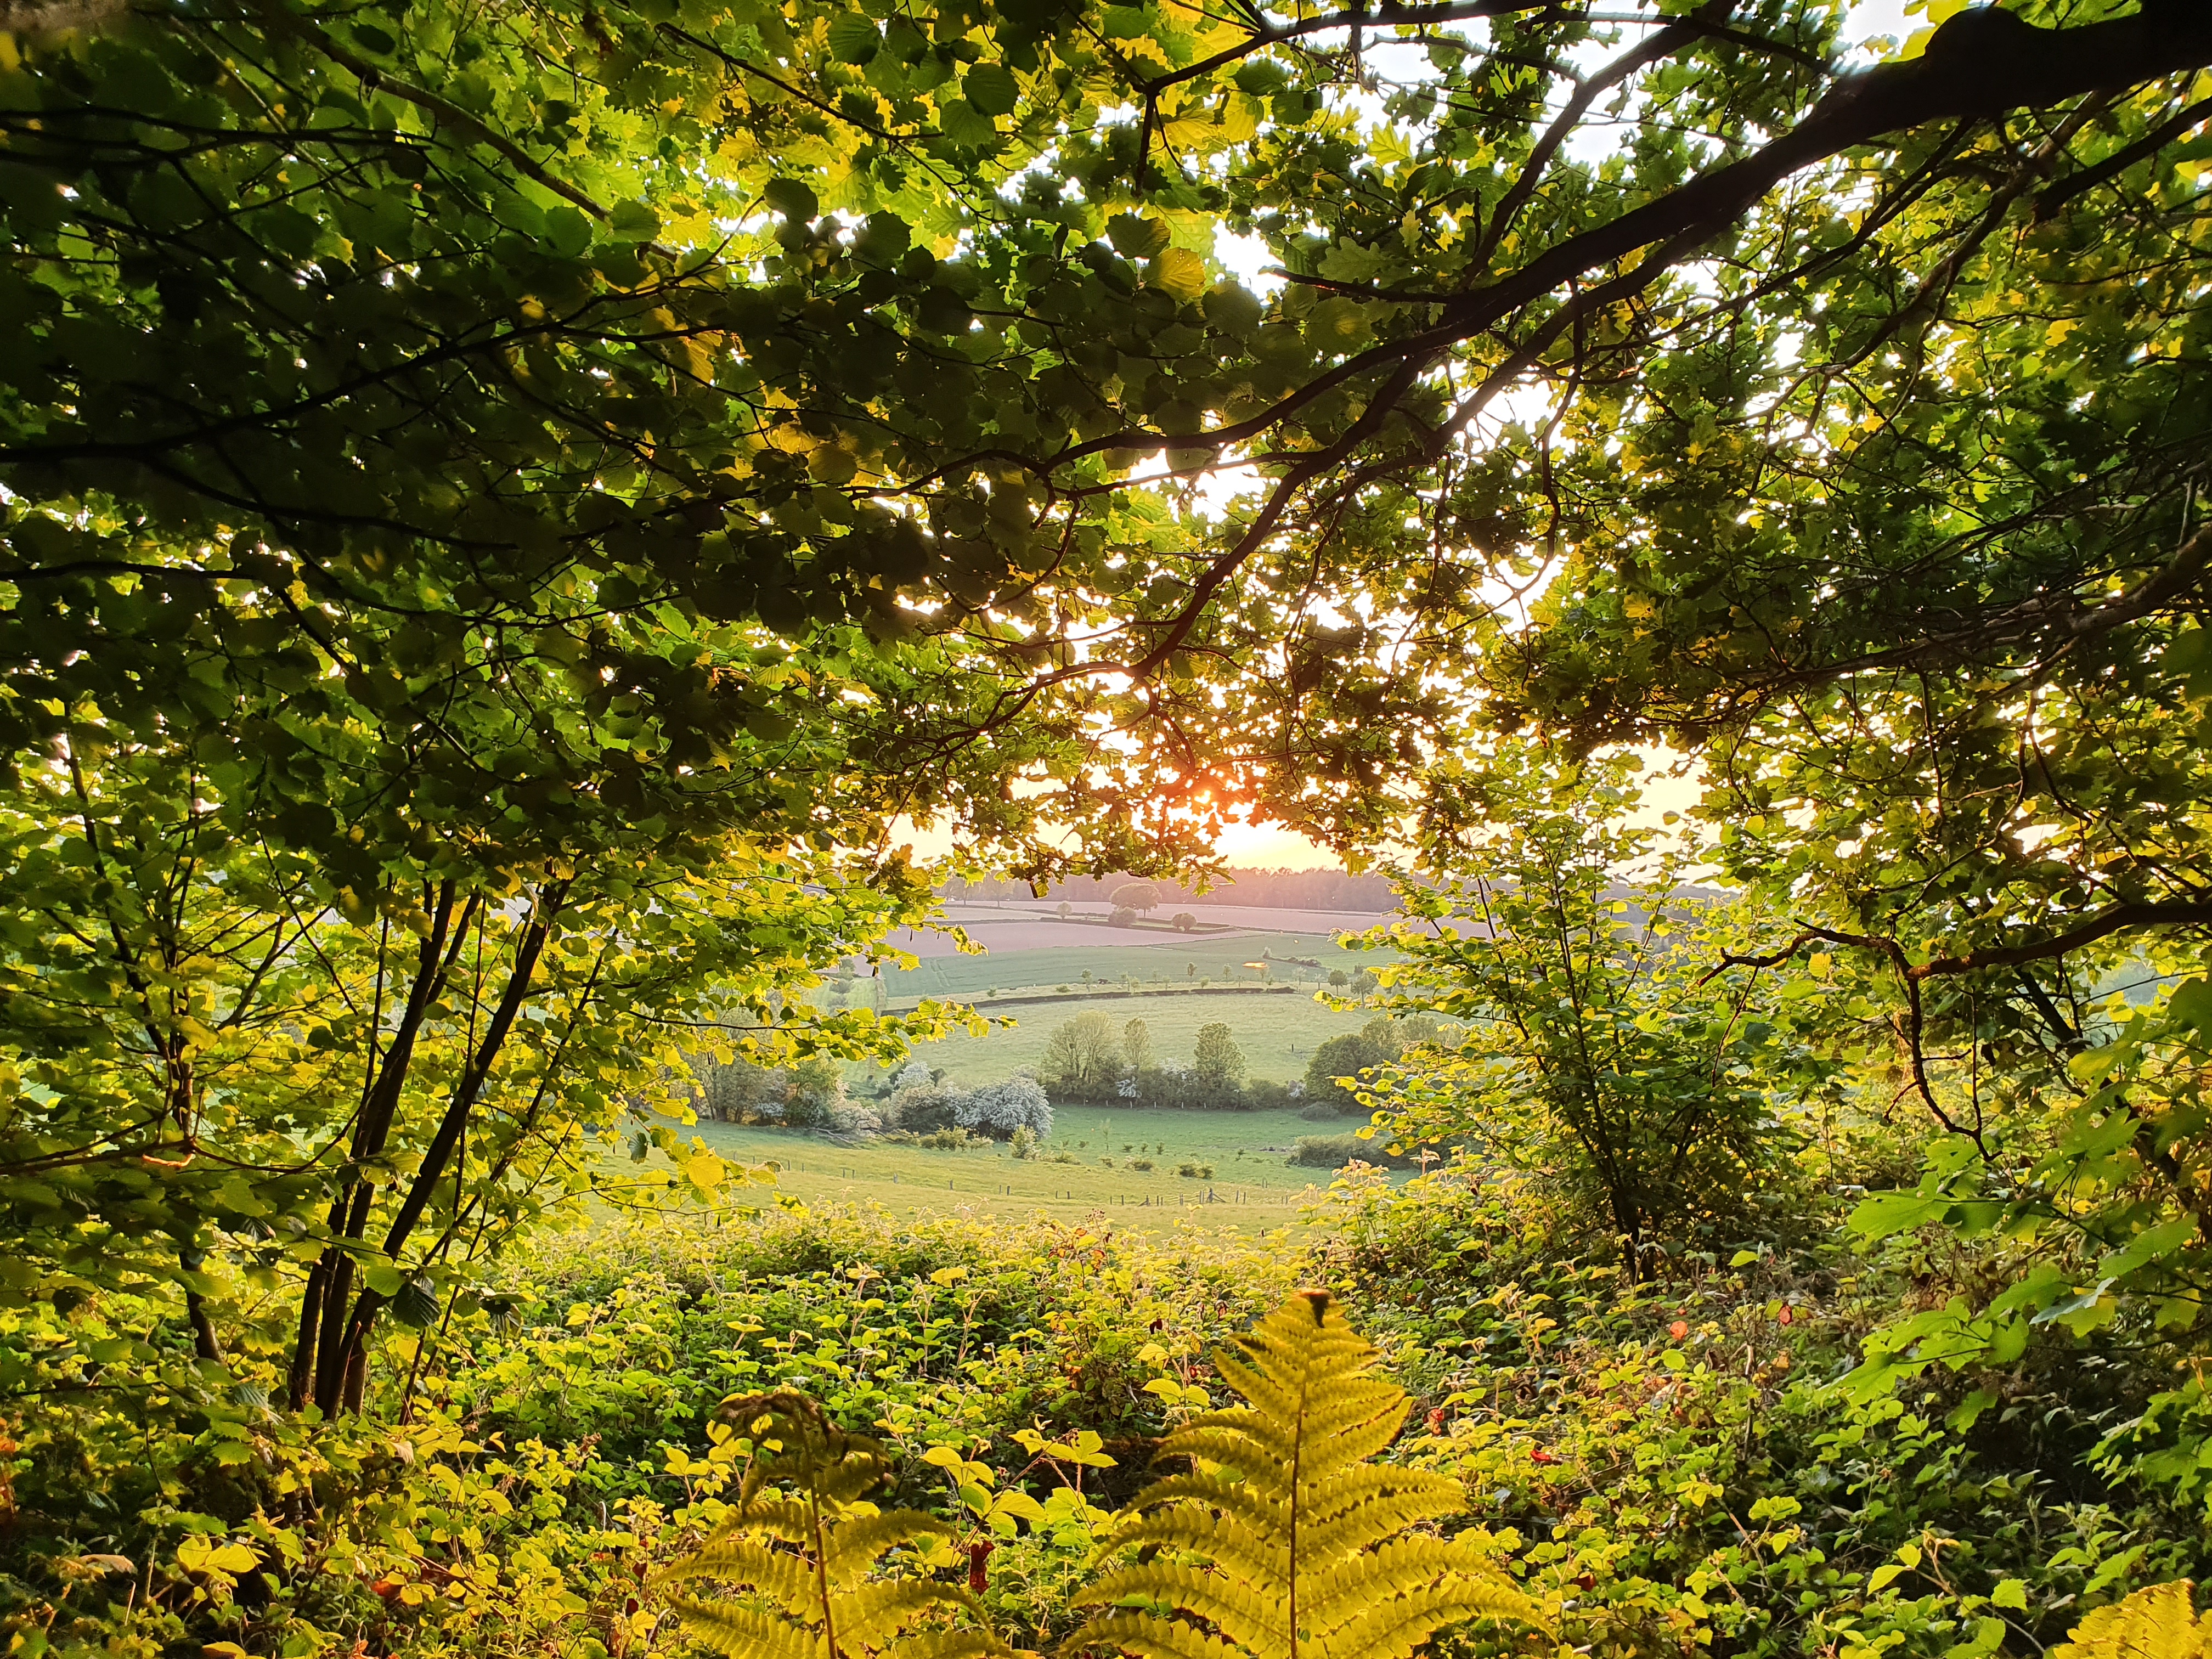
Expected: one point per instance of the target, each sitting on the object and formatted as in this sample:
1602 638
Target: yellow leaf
1179 271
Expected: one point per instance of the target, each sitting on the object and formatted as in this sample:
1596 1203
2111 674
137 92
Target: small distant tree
1138 895
1338 979
1185 921
1364 981
1137 1046
1065 909
1190 970
1082 1060
1219 1064
1123 916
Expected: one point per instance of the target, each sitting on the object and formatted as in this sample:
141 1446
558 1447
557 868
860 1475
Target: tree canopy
539 498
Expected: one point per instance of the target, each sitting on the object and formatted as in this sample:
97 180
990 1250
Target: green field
1278 1033
1219 959
1252 1188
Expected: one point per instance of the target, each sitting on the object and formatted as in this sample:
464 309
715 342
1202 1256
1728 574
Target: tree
1338 979
1082 1060
1345 1056
1218 1064
1184 921
1065 910
1612 1051
1138 895
747 410
716 384
1137 1046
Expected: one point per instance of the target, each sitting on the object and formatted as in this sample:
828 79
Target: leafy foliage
815 1595
1601 1043
1302 1539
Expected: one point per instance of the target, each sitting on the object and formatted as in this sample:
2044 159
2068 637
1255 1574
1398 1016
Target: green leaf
992 89
1889 1214
1136 238
384 1279
1178 271
792 199
416 1303
567 231
634 222
852 38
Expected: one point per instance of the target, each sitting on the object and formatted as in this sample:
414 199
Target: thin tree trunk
316 1356
339 1386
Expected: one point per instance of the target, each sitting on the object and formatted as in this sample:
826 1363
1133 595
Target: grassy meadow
1219 959
1252 1188
1278 1032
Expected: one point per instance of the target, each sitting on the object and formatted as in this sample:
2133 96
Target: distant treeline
1289 890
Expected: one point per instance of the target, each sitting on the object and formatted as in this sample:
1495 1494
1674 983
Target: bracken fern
806 1562
1284 1541
2157 1622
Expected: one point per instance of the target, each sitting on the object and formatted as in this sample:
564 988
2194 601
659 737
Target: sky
1271 845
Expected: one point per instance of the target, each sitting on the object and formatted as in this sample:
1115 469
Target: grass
1278 1034
1170 963
1257 1192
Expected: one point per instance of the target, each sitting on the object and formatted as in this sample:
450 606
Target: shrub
920 1107
1023 1143
1083 1059
1335 1152
1000 1108
949 1139
1144 1163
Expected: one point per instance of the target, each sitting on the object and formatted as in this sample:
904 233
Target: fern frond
1143 1636
1241 1500
1253 1555
1305 1553
1364 1588
2159 1621
869 1617
1255 1621
1401 1627
742 1632
801 1559
956 1644
1355 1522
784 1578
856 1545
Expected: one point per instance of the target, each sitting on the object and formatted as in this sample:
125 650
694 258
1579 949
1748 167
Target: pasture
1183 960
1278 1032
1252 1188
